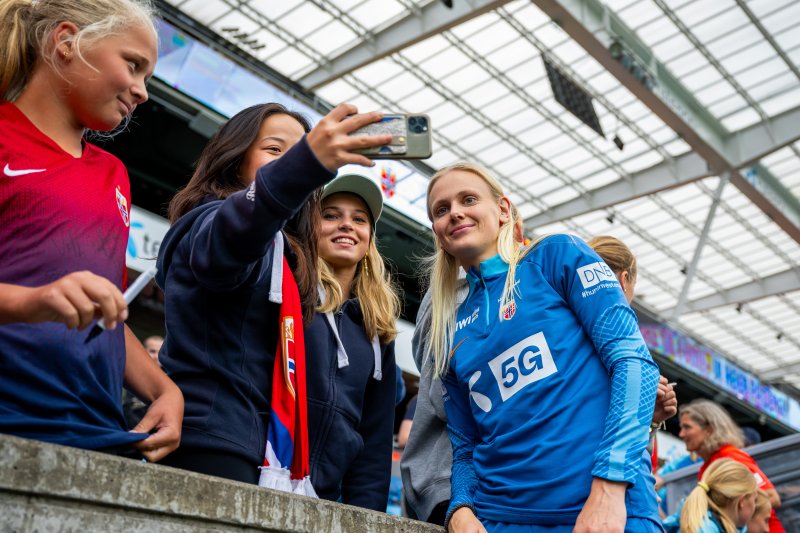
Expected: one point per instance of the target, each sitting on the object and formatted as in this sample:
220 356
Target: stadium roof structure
695 163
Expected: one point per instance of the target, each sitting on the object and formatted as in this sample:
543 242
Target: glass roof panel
710 20
657 30
332 35
484 94
787 17
781 102
304 19
289 60
445 62
686 63
671 48
373 13
741 119
788 39
204 11
639 13
271 9
463 78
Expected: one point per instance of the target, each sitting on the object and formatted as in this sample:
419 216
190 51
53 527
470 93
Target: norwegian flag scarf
286 457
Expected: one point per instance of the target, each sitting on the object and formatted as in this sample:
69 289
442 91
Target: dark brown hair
217 172
301 232
217 176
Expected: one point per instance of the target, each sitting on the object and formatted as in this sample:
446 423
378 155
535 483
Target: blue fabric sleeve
613 329
634 380
462 431
366 483
228 244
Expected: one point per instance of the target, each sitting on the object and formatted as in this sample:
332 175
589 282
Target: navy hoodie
350 413
222 331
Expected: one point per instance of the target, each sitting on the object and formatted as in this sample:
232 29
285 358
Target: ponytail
17 52
723 483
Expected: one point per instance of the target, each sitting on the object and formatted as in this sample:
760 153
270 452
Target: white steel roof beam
745 147
595 27
780 283
680 171
699 248
779 373
431 19
777 202
748 145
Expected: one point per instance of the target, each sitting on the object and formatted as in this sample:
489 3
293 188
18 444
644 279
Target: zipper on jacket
486 302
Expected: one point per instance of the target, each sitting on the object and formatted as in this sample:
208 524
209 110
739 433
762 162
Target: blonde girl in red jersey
67 67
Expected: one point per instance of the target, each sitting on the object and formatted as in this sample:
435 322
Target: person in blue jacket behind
549 386
350 351
253 179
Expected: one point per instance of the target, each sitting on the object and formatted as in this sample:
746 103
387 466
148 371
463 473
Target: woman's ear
63 37
624 280
739 505
505 209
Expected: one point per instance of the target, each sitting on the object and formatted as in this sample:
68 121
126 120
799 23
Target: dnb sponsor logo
596 276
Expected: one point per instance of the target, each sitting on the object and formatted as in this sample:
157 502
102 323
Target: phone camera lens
418 124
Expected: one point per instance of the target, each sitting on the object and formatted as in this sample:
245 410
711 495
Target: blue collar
490 268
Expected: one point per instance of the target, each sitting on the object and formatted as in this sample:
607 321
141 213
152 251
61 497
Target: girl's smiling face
345 230
106 82
278 133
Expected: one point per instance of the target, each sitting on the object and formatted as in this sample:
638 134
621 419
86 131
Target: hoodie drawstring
341 354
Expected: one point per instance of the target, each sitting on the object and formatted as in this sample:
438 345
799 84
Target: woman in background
709 431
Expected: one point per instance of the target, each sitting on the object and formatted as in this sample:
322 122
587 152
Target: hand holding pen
130 295
666 401
76 300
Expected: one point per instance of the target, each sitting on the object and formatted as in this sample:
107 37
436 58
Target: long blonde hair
29 25
710 415
374 288
723 483
443 271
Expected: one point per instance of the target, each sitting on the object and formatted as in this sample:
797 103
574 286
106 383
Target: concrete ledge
55 488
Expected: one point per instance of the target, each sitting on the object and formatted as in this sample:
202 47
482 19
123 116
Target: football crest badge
122 205
509 310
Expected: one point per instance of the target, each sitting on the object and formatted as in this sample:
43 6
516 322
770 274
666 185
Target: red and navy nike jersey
60 214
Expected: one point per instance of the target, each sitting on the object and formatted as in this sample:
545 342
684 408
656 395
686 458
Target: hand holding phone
332 144
411 136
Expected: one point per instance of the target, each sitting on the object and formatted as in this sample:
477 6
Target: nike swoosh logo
11 173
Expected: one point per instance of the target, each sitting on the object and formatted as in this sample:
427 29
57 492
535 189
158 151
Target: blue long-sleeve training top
559 392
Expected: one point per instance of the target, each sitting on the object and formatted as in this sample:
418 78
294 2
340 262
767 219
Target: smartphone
411 136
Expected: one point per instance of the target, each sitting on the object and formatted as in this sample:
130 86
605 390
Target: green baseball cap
361 186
